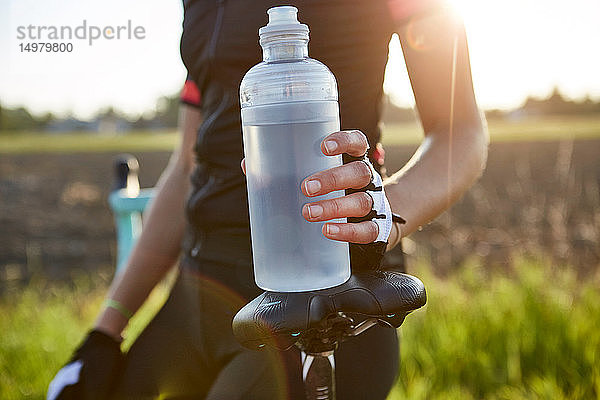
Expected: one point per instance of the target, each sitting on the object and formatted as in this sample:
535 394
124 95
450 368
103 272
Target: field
528 334
546 129
536 197
512 270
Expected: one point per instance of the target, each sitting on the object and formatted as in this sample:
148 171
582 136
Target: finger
243 165
354 205
354 143
354 175
362 232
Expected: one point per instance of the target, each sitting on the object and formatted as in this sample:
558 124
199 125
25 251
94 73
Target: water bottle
289 105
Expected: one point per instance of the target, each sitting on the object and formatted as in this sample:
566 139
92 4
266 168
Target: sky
517 47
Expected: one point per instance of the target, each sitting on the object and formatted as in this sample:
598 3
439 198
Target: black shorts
188 349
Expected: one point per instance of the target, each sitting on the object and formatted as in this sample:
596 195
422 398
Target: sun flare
467 9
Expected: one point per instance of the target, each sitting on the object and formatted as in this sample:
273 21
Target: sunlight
519 48
467 9
396 83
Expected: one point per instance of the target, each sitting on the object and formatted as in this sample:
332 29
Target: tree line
164 116
166 112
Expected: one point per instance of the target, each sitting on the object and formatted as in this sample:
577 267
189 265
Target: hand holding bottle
354 175
363 206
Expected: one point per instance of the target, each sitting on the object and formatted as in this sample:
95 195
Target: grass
43 324
526 334
36 142
532 129
530 335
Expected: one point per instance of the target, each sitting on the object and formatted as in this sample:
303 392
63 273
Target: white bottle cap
282 20
283 15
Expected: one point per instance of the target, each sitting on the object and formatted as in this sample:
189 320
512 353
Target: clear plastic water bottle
289 105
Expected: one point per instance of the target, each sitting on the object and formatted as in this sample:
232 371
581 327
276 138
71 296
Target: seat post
317 348
318 354
318 373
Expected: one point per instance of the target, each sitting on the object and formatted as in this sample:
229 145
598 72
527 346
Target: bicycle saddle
318 320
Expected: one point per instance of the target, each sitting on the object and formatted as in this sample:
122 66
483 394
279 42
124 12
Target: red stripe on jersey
379 154
190 94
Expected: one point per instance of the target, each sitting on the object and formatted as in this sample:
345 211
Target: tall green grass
530 333
42 325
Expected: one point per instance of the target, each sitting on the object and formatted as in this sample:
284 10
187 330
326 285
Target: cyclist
200 215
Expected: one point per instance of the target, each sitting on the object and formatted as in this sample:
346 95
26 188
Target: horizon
545 48
150 114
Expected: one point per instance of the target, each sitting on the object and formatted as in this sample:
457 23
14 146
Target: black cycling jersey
220 43
188 350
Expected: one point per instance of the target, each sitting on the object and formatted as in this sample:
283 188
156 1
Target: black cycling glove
92 371
370 256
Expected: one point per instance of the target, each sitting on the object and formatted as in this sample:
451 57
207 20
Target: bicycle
316 321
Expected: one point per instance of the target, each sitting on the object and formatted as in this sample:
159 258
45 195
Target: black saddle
316 321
